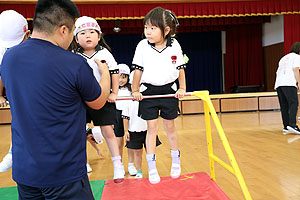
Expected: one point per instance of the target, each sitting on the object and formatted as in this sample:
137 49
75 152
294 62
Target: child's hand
3 102
137 96
127 136
180 93
112 98
99 153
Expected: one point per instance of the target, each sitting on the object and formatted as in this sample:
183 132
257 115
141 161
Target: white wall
273 32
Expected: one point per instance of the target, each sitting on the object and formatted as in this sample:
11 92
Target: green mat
11 193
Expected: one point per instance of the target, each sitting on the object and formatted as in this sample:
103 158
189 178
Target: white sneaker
154 177
6 163
138 176
88 168
175 170
294 129
118 174
132 170
286 131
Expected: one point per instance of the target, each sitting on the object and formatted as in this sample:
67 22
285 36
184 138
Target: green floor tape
11 193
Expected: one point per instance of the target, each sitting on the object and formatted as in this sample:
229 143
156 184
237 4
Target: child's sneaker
132 170
6 163
154 177
286 131
138 176
294 129
175 170
88 168
118 174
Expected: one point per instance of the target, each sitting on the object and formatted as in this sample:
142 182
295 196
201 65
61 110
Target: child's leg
131 168
150 148
110 138
138 155
131 154
120 141
169 126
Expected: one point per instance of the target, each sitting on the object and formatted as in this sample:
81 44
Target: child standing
92 45
135 129
158 63
13 31
124 90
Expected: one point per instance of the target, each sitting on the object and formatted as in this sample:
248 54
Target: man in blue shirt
48 88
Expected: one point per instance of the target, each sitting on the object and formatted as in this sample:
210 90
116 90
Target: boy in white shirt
287 78
13 31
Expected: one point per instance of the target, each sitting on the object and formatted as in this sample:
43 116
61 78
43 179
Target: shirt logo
174 58
24 28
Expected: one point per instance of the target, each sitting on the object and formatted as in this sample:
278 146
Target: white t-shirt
124 92
130 112
285 74
2 51
101 53
159 67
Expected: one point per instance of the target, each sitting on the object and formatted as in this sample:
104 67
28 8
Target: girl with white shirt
158 63
124 90
91 46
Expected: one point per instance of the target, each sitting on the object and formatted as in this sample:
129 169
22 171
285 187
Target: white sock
175 156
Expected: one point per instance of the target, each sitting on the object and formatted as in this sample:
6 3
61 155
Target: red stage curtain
291 31
182 10
243 60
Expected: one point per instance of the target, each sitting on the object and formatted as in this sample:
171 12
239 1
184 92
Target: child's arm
182 85
126 133
94 144
136 85
115 88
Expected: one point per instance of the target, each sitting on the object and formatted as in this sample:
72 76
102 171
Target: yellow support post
208 107
209 142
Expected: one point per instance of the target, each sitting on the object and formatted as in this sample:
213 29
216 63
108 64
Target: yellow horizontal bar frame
208 108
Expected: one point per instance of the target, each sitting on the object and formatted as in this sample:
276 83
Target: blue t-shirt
46 87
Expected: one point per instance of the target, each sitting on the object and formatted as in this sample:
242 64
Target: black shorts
105 116
77 190
167 107
138 140
119 126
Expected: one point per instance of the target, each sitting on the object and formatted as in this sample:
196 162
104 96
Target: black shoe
88 131
294 129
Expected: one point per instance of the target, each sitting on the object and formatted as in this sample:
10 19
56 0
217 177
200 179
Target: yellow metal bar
204 95
221 162
209 141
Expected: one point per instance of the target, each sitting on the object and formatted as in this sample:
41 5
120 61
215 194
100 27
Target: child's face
123 79
153 33
88 39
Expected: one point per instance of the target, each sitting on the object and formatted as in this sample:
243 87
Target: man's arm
105 87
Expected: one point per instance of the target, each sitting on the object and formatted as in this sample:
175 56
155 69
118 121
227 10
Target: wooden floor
269 164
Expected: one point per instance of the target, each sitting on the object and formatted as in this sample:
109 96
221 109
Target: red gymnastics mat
187 187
